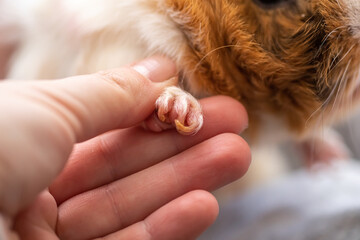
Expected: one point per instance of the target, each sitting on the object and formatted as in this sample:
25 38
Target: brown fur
294 60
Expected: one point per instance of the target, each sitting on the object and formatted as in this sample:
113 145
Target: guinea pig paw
326 149
180 109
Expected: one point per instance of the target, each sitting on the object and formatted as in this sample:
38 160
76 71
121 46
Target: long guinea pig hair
297 60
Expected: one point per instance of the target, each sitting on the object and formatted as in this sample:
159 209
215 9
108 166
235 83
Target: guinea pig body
295 62
66 37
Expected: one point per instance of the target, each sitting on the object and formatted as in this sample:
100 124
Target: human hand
124 184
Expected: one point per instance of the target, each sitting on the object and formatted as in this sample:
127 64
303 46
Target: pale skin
76 164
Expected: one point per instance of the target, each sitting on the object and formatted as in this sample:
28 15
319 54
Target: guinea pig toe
180 109
191 122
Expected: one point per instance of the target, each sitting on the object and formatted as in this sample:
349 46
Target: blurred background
296 204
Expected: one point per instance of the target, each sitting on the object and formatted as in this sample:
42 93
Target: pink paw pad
175 107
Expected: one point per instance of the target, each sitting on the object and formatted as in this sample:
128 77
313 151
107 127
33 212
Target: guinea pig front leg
325 148
176 108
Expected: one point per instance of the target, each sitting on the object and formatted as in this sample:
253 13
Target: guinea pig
294 64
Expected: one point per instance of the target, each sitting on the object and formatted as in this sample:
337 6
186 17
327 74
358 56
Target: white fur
63 33
353 9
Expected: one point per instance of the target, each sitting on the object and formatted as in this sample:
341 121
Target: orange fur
284 61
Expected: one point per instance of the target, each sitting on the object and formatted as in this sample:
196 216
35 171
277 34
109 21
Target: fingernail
156 68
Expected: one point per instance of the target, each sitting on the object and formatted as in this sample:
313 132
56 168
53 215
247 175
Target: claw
180 109
186 130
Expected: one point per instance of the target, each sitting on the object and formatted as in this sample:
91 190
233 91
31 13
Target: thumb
41 121
118 98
